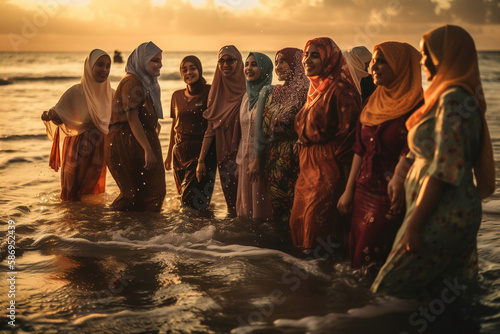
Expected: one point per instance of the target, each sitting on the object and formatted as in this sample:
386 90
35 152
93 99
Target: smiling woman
83 114
186 137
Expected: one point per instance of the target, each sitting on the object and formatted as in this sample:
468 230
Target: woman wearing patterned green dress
276 137
436 247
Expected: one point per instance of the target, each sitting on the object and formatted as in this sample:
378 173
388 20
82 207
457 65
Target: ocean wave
43 78
22 137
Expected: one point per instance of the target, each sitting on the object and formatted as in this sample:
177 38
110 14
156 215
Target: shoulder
454 95
177 93
130 80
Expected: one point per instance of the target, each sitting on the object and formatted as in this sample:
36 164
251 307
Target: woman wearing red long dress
133 150
326 129
380 145
83 114
224 100
186 137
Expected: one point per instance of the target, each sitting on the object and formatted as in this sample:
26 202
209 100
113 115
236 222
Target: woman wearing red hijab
326 129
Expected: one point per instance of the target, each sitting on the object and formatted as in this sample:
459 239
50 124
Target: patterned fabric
444 144
281 164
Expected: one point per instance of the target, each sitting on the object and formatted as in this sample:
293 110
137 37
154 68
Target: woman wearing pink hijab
224 100
83 114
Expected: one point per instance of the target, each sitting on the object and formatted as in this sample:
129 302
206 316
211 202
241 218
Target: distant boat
5 81
117 58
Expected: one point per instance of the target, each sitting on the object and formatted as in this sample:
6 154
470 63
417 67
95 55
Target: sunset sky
206 25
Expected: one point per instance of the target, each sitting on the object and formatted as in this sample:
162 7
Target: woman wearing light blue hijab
252 200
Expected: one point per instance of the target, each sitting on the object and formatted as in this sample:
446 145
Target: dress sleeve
172 106
448 161
132 94
358 147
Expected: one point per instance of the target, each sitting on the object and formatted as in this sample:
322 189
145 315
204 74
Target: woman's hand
344 205
150 159
168 162
201 170
411 239
396 192
45 116
51 115
254 170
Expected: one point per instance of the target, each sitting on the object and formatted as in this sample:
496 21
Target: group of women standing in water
385 170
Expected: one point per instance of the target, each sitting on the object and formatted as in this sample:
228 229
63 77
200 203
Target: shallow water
84 269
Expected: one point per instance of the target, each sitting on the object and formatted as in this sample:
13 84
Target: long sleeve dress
189 130
140 189
326 130
445 144
253 197
281 164
373 226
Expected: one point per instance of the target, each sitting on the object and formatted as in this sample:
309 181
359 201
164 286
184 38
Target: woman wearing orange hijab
380 145
449 140
326 128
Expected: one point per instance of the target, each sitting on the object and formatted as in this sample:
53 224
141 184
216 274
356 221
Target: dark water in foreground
81 268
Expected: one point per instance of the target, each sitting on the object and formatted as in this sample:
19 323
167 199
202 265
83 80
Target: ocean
80 268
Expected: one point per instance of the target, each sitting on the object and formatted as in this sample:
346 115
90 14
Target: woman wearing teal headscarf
252 200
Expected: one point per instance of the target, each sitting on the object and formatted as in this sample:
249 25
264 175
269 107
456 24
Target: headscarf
89 98
138 65
265 65
404 93
197 87
454 56
224 98
298 83
356 59
80 106
334 70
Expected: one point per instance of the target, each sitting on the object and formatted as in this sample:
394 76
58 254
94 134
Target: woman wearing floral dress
449 140
276 137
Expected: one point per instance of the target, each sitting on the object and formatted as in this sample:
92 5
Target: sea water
80 268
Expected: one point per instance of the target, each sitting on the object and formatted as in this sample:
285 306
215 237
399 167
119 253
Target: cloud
206 25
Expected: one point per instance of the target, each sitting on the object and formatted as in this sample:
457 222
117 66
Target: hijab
404 93
88 99
224 98
356 59
138 65
454 56
335 70
80 106
197 87
294 87
265 65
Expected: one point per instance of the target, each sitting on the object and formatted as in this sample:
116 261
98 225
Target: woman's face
101 68
251 70
426 62
312 61
227 65
155 65
190 73
382 73
282 68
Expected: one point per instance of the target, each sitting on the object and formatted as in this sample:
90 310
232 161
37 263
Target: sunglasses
228 61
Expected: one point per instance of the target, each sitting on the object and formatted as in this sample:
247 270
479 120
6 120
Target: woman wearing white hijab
83 114
133 150
358 58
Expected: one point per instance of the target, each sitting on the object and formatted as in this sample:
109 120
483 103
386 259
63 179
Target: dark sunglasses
228 61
